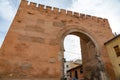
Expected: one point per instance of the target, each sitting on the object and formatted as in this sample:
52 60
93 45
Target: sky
109 9
72 48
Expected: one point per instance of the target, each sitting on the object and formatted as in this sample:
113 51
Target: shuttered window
117 50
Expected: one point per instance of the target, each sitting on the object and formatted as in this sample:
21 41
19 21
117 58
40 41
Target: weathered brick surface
33 46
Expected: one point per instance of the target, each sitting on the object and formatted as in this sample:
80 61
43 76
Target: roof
112 39
74 68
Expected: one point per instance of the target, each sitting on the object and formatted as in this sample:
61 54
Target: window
117 50
81 70
67 66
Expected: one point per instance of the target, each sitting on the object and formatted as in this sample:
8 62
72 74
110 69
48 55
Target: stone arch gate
92 62
33 46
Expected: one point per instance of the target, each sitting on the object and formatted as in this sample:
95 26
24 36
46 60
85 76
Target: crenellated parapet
54 10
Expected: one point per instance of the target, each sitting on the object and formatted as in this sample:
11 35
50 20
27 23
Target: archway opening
72 57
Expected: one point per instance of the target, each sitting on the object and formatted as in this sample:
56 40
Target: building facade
68 65
113 48
76 72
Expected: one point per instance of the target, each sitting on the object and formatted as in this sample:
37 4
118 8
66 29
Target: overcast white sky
109 9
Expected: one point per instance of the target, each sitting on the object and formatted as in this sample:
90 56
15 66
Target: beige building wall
112 54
